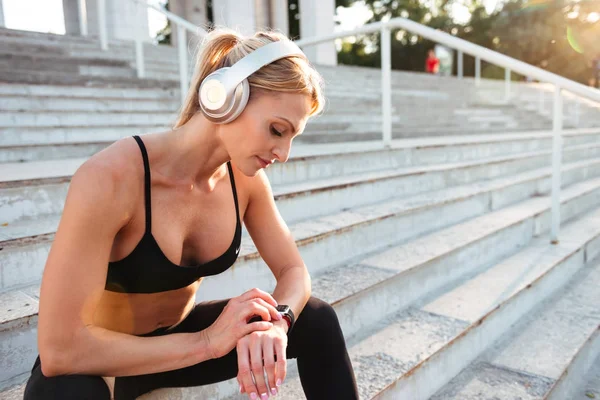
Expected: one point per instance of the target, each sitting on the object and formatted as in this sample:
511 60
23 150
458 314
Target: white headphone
225 92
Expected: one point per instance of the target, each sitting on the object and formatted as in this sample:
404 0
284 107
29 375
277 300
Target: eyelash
275 132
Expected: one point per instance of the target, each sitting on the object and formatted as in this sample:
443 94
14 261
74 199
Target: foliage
553 34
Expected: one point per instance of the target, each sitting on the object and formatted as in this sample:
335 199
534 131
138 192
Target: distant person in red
432 64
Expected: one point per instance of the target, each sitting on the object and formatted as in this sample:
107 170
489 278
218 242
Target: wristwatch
287 314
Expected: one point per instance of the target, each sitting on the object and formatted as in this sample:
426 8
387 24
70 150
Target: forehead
294 106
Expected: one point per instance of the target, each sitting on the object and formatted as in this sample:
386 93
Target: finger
279 346
253 308
244 369
256 326
273 313
269 365
239 380
257 293
256 363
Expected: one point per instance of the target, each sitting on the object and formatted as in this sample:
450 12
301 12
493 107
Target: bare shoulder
112 174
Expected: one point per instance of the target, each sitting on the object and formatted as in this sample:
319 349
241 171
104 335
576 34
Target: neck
196 154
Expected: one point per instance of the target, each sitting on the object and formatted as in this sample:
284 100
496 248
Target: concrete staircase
63 96
434 252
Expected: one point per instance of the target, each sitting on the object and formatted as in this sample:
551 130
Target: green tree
558 35
408 51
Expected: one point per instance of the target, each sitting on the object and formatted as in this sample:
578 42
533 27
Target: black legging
316 342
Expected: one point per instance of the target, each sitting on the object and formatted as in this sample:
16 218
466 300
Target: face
264 132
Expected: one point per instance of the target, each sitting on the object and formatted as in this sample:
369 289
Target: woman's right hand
222 336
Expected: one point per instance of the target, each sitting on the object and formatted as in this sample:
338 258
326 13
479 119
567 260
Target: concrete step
80 45
318 161
517 223
367 133
517 291
59 98
48 179
103 94
67 118
63 78
161 56
28 103
61 143
590 388
300 199
538 358
61 103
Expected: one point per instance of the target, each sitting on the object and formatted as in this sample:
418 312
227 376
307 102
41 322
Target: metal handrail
182 26
480 53
174 18
464 46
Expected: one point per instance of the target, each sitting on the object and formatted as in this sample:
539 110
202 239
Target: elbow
56 357
53 363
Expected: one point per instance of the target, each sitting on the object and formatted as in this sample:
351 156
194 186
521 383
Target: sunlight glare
47 17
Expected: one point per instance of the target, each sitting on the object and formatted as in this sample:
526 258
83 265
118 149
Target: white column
71 15
2 24
316 19
279 16
236 14
126 21
262 12
194 11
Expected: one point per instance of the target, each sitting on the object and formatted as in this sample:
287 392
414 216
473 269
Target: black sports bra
147 270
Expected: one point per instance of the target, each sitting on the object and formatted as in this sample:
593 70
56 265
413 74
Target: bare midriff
141 313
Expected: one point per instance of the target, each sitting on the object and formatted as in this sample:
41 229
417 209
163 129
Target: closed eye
275 132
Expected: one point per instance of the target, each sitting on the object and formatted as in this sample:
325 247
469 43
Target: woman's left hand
256 353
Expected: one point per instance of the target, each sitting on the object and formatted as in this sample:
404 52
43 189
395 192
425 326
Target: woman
148 217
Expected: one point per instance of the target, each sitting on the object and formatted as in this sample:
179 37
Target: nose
281 151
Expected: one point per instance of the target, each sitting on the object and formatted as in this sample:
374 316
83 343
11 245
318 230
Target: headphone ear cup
239 101
216 105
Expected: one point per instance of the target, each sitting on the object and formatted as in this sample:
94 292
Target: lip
263 163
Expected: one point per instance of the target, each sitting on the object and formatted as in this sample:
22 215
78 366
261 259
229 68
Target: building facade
127 19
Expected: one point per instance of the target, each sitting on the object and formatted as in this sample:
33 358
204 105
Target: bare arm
74 277
277 247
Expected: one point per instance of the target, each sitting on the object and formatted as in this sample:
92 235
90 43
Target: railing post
541 101
102 24
477 71
507 73
83 27
139 58
459 60
557 125
139 44
386 84
183 64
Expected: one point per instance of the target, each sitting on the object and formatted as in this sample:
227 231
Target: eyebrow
288 121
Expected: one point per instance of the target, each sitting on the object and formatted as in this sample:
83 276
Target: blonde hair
223 47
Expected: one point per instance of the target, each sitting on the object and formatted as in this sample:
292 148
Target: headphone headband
256 60
224 93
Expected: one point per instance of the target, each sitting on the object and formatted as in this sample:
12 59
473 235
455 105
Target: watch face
282 308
